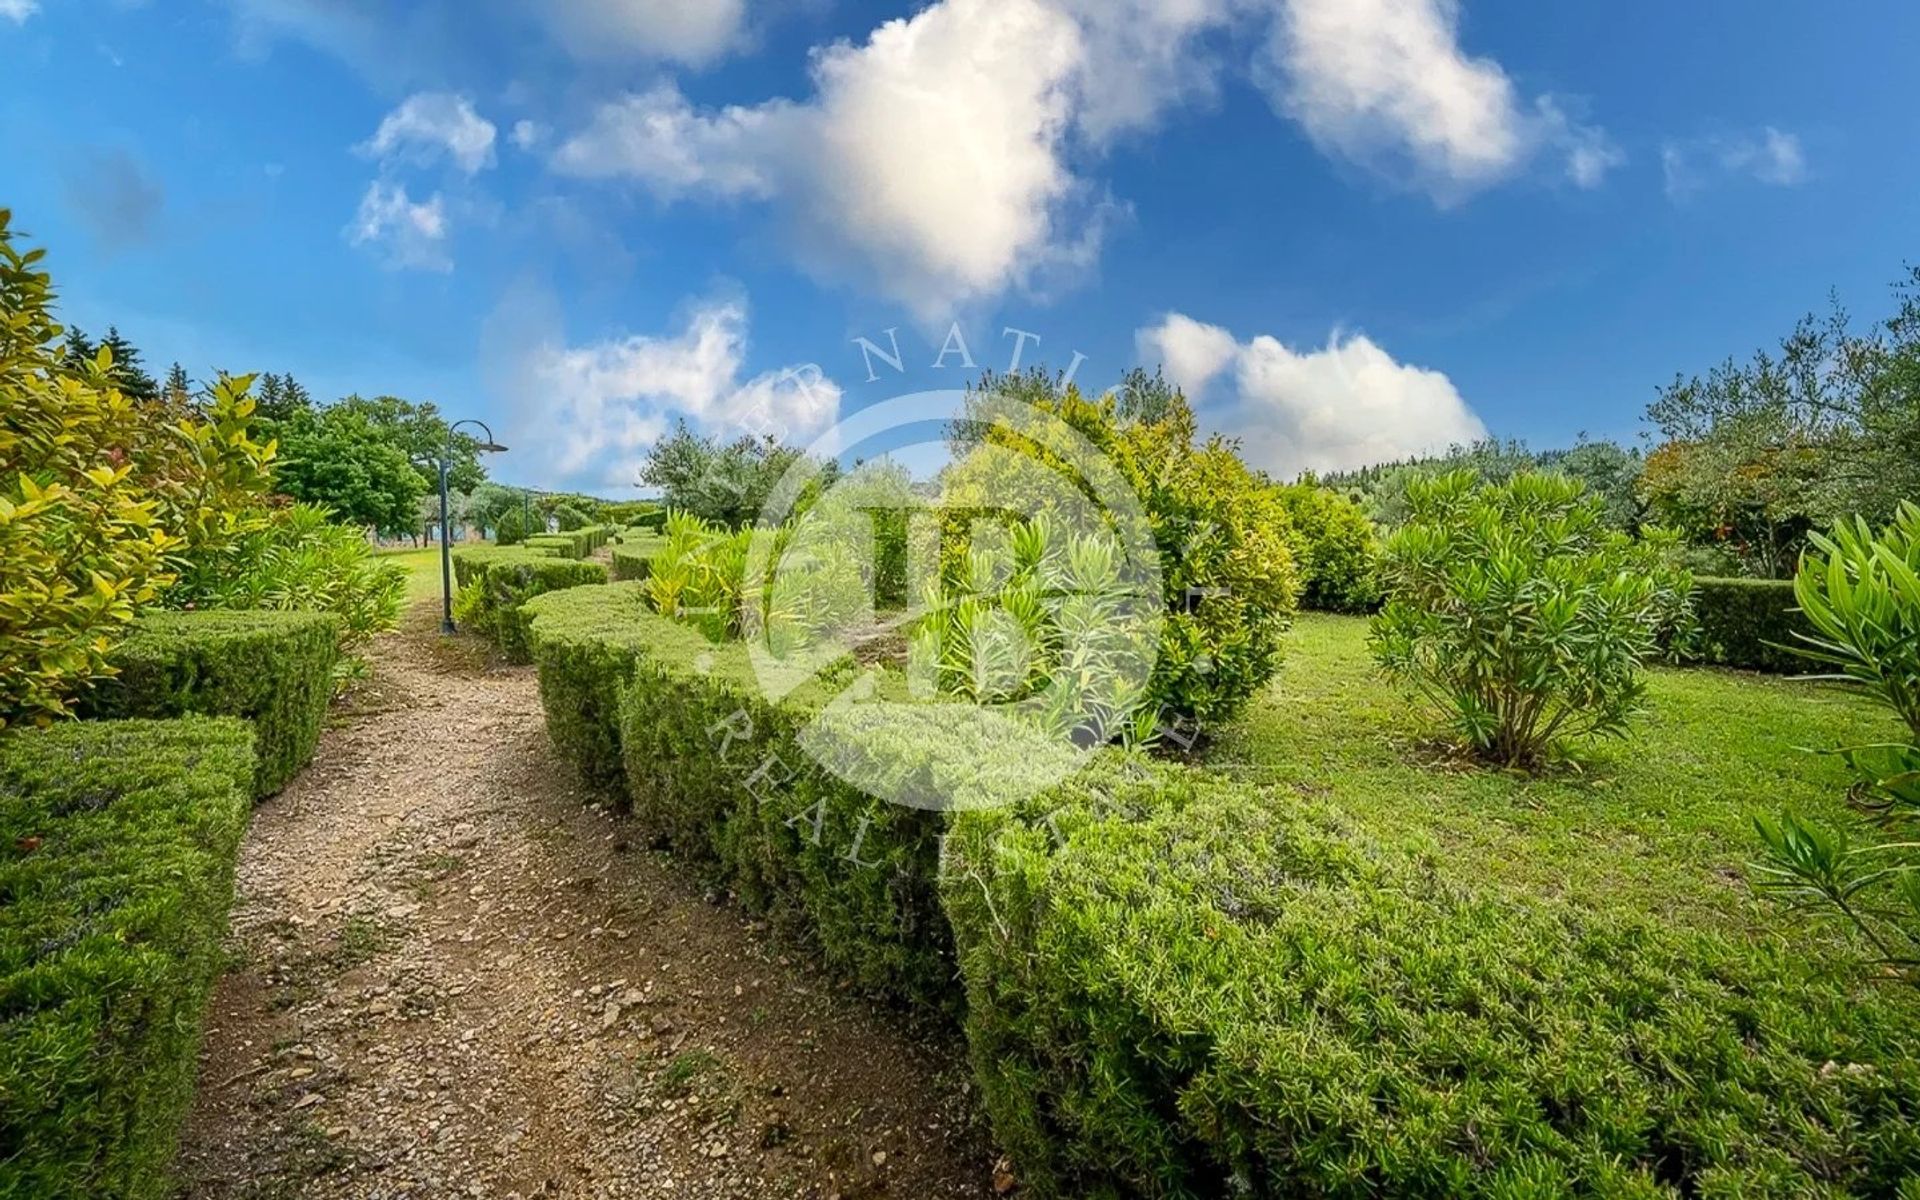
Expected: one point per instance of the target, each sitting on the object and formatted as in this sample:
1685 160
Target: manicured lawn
423 570
1659 823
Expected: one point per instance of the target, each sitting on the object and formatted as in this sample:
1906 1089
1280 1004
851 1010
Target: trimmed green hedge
274 669
1182 986
495 581
711 767
1748 622
572 543
117 846
633 557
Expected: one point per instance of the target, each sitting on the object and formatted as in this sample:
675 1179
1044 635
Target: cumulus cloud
589 413
1770 156
1347 404
695 33
18 11
528 134
406 234
930 161
429 125
1385 84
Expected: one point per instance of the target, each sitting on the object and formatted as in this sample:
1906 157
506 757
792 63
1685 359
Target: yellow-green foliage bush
1225 544
81 543
699 575
117 846
274 669
1338 550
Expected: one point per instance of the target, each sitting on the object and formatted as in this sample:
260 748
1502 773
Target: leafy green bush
274 669
495 581
1227 572
81 546
1751 623
302 561
1181 986
117 845
699 573
570 519
1337 549
1519 616
575 543
1861 593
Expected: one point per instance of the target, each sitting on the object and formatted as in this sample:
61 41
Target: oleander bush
273 669
1520 616
1750 623
496 581
699 575
300 560
1181 986
117 848
1337 550
1860 590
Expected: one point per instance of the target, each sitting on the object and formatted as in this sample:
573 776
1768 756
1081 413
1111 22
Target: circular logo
967 611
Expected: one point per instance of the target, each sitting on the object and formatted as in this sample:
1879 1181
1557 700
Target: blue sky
1352 228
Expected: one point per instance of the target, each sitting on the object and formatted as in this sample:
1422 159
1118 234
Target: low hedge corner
274 669
1750 623
117 848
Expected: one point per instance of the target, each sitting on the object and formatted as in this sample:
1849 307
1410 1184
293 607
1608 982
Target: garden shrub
1750 623
302 561
1179 985
699 574
1337 550
81 547
495 581
570 519
274 669
1520 616
117 848
633 557
1861 593
573 543
1227 570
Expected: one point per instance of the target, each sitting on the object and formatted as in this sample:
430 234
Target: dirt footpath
454 975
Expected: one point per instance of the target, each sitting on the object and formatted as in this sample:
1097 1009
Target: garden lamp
489 446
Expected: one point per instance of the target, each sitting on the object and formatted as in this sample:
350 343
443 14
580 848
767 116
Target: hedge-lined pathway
454 975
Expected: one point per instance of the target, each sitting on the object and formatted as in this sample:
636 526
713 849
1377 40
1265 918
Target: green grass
1660 823
423 570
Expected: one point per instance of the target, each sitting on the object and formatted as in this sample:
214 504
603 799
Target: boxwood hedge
117 846
1191 988
274 669
570 543
1750 623
633 557
495 581
1181 985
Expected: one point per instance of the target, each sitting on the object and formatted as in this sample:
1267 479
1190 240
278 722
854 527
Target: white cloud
1769 156
1386 84
929 162
528 134
429 124
1346 405
590 413
409 234
694 32
18 11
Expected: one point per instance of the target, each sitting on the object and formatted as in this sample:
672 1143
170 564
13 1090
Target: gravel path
454 975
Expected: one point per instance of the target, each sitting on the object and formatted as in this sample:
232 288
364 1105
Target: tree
282 398
339 458
128 374
726 483
422 435
178 389
1759 453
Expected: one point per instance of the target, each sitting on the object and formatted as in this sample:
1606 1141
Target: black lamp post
446 533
